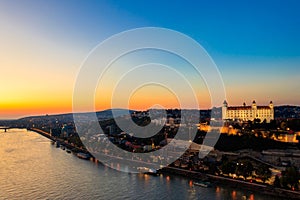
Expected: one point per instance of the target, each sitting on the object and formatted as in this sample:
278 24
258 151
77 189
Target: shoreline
234 183
69 146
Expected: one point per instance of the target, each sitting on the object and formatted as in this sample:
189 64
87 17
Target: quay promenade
69 146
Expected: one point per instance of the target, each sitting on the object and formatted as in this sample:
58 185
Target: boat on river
147 170
68 151
83 155
203 184
57 144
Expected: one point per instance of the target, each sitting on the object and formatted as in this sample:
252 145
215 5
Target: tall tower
271 105
224 110
254 110
254 105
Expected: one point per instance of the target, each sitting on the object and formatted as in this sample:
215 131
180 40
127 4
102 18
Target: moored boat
57 144
153 172
147 170
203 184
83 156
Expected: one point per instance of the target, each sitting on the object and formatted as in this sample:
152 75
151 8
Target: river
32 168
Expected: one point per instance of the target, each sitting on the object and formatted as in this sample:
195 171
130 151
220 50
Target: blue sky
255 44
236 28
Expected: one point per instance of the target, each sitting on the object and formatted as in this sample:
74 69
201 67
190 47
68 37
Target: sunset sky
255 45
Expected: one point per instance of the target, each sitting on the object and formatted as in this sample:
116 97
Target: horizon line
66 113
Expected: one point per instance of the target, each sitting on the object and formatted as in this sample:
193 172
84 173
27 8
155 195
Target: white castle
245 113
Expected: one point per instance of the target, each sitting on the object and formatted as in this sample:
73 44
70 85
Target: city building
245 113
67 130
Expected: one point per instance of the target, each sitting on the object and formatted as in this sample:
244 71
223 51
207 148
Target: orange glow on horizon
151 96
13 110
138 101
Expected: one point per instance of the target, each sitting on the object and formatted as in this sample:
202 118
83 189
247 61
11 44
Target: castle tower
254 105
271 105
254 110
224 110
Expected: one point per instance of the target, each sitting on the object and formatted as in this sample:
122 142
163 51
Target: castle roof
239 108
246 107
263 107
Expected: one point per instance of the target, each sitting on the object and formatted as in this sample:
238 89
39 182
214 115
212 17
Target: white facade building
245 113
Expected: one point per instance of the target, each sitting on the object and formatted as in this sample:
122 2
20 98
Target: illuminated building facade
245 113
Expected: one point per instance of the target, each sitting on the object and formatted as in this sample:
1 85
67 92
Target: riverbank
264 189
32 168
62 142
234 183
